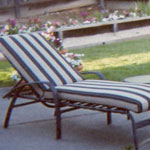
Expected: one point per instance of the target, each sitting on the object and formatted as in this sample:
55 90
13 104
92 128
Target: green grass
5 73
116 61
119 60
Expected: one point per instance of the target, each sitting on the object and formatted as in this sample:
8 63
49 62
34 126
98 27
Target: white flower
116 12
115 17
51 29
132 14
105 19
6 27
79 55
15 76
23 29
29 29
121 17
48 23
65 55
87 22
68 59
45 35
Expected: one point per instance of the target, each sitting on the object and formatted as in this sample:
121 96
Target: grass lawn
116 61
5 72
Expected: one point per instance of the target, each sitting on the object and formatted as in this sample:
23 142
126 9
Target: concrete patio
33 128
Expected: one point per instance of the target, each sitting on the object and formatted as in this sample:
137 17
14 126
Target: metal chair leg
9 112
58 124
58 114
133 130
109 118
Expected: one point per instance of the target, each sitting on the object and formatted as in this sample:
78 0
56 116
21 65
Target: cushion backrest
36 60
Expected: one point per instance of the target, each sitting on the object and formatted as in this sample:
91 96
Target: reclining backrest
36 60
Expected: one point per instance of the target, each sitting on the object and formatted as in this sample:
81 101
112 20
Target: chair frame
43 62
102 108
30 94
58 104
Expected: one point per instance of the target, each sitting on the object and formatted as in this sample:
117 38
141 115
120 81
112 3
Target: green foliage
98 15
143 8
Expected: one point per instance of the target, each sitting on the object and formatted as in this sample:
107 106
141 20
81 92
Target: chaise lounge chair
50 80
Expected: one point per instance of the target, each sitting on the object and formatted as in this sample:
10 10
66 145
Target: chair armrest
100 75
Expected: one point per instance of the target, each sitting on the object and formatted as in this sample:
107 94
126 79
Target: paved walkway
106 38
33 128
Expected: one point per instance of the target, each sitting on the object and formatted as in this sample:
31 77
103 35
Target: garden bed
82 22
102 27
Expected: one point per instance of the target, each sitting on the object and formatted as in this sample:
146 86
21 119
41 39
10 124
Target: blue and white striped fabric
131 96
36 60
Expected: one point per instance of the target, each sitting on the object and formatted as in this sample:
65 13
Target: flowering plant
15 76
35 25
49 36
12 28
73 59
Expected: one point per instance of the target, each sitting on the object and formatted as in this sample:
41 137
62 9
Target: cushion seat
134 97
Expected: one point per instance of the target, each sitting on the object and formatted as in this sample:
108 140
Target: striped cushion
36 60
134 97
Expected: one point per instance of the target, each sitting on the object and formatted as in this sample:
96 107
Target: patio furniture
50 80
